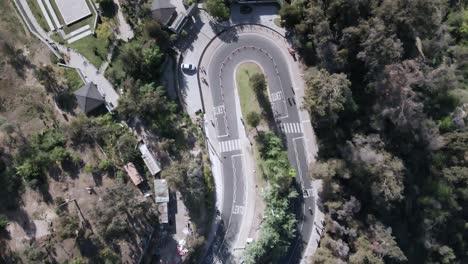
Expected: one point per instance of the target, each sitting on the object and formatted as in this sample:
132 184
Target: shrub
3 222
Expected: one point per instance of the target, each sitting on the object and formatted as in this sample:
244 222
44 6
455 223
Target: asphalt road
220 77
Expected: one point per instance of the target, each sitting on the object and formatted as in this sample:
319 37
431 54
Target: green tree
217 9
107 6
153 57
253 119
109 256
46 77
3 222
327 95
290 14
258 83
380 48
175 175
154 30
376 169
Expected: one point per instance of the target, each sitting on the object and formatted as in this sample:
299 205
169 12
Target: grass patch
247 97
94 49
72 79
115 71
277 22
249 103
10 24
36 10
76 25
461 94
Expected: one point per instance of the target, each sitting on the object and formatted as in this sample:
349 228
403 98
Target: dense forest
388 77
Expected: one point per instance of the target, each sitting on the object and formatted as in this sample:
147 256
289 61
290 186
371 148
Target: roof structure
73 10
161 191
163 213
163 11
133 173
149 160
88 97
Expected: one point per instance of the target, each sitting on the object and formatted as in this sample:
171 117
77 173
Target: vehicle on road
188 67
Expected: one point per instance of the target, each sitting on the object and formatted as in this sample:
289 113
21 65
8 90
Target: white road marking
308 192
238 209
291 128
225 125
230 145
276 96
219 110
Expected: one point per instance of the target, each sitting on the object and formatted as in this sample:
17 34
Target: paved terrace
74 59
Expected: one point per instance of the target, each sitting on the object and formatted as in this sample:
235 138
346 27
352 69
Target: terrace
72 23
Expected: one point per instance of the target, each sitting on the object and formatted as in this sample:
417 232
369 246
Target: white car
188 67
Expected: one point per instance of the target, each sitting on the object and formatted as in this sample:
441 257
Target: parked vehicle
188 67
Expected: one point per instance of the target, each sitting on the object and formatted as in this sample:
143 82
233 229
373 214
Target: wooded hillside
387 94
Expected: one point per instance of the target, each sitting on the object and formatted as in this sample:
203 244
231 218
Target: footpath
73 59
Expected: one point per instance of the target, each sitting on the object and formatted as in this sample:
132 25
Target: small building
162 199
163 11
133 173
171 14
88 97
163 213
73 10
161 191
149 159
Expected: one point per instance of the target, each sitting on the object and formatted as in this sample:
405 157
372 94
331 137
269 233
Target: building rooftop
161 191
133 173
88 97
163 213
149 160
73 10
163 11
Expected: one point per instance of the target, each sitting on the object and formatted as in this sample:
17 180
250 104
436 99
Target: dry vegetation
37 231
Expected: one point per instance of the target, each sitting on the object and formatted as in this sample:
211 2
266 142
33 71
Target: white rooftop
149 160
73 10
161 191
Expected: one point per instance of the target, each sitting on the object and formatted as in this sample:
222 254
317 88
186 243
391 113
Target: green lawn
36 10
94 49
249 103
247 97
72 78
69 28
277 21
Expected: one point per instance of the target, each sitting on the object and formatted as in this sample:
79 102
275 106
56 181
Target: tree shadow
97 177
108 9
220 252
89 246
55 173
17 60
43 189
21 217
227 36
66 101
72 169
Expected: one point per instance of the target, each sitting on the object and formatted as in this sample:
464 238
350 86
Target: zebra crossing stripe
291 128
231 145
